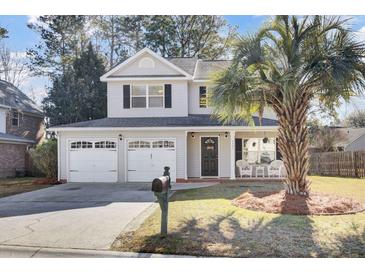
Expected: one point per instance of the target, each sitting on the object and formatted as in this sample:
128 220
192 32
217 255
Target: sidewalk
45 252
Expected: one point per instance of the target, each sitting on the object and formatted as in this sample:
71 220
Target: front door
209 156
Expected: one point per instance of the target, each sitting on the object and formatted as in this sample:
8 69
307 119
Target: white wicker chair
244 168
276 169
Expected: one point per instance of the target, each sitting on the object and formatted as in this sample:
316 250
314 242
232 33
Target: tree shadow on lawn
349 245
225 235
235 234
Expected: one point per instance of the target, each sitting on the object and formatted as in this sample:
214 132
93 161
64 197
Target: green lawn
14 186
203 222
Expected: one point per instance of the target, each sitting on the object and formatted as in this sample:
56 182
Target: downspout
58 156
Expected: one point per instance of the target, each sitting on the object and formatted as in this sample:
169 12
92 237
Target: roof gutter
11 140
190 128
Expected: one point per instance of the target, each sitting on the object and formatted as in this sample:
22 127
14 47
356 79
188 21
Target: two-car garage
99 159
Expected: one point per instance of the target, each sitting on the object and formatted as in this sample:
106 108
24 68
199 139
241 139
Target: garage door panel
80 176
145 164
93 164
108 177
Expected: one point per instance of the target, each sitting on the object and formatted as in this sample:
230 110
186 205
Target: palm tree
287 65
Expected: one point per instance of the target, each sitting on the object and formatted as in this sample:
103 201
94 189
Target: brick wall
12 157
30 127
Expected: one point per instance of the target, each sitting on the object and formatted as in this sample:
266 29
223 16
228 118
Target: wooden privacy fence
346 163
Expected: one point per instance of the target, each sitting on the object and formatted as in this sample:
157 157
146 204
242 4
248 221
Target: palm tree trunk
293 144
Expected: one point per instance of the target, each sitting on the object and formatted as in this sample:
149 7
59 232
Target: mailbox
161 187
160 184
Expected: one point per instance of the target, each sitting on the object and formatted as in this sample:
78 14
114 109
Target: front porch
212 155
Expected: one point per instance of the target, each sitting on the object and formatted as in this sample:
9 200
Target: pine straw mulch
314 204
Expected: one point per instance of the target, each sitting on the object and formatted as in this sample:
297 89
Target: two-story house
21 126
158 116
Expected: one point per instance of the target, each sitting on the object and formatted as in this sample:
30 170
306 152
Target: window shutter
203 97
168 96
126 96
238 146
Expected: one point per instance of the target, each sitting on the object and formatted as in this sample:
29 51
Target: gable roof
191 67
12 97
205 68
351 135
134 57
187 64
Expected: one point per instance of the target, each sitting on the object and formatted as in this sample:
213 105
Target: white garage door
93 160
147 158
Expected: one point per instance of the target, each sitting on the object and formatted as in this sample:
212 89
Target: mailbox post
161 188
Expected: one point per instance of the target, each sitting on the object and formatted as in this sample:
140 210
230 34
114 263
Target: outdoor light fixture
265 140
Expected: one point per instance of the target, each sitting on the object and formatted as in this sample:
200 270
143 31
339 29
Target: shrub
44 157
356 119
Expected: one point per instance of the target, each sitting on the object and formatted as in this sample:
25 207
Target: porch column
186 156
232 135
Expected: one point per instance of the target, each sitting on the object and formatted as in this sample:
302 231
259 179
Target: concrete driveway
76 216
86 216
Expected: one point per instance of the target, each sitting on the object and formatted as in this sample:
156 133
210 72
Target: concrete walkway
85 216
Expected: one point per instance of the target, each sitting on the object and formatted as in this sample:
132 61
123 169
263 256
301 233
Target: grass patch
203 222
14 186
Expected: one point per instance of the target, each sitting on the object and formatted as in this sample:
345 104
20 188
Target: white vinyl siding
194 99
179 101
134 68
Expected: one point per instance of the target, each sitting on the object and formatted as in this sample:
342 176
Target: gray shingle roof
12 97
195 120
186 64
205 68
350 134
13 138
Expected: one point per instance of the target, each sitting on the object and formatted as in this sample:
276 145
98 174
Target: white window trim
147 95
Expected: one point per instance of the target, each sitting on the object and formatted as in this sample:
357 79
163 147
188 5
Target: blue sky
21 38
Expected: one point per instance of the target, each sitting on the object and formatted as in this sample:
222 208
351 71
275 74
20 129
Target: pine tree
63 39
77 94
202 36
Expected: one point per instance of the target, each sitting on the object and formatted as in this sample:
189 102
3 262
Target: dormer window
15 118
147 96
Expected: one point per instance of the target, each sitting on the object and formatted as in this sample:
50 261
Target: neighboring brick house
21 127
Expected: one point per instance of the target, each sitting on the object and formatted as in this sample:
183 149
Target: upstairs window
139 96
203 97
15 118
155 96
147 96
